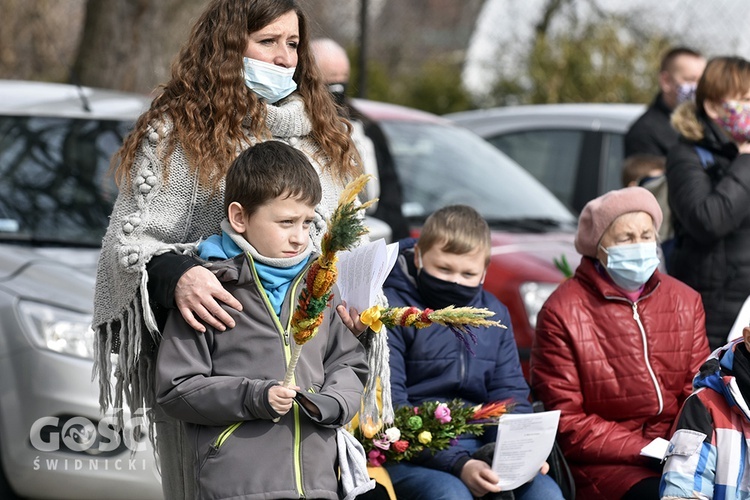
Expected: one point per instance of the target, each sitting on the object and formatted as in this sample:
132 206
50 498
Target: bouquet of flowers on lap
432 426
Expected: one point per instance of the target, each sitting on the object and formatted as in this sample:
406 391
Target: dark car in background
576 150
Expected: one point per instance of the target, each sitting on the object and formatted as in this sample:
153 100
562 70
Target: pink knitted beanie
600 212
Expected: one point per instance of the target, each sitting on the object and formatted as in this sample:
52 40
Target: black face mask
338 92
438 293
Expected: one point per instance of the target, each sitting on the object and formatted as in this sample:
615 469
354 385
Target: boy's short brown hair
268 170
636 167
459 229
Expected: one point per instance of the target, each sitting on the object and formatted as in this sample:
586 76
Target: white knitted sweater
153 217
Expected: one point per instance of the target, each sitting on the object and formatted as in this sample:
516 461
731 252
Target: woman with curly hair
245 75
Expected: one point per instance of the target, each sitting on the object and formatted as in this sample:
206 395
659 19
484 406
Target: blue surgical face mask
630 266
269 81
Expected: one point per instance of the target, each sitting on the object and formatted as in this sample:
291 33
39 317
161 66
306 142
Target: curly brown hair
206 98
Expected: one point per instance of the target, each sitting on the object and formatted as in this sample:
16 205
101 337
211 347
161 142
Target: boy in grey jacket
225 385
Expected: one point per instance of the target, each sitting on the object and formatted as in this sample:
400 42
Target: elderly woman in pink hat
616 349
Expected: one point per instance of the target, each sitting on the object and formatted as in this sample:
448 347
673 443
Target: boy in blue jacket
447 266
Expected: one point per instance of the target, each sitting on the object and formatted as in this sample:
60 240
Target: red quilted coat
618 371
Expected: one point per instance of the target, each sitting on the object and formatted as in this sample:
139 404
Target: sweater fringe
380 374
130 360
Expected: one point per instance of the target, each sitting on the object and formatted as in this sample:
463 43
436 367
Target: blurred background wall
437 55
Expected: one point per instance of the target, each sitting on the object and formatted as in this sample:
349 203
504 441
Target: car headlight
57 329
534 294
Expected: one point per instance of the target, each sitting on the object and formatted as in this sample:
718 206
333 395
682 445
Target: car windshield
440 165
54 185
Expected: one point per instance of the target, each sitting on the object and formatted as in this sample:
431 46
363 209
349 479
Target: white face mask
269 81
630 266
686 92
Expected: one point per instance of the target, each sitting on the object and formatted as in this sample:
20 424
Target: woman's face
716 111
277 42
629 228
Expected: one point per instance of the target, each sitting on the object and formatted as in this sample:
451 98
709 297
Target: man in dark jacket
446 266
652 133
371 142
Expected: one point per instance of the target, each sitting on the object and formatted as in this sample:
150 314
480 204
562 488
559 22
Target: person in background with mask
652 133
616 348
446 266
708 175
245 75
333 63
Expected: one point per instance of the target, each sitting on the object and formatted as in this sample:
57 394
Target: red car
439 164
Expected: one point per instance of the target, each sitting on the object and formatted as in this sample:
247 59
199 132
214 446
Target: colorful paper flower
382 443
375 458
443 413
393 434
415 422
425 437
370 428
400 446
371 317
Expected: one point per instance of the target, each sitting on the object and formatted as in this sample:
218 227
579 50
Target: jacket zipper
637 319
221 438
462 359
287 351
297 452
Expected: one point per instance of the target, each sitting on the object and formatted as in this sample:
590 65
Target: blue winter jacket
431 364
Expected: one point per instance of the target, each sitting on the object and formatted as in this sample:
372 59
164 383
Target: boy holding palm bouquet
251 440
445 267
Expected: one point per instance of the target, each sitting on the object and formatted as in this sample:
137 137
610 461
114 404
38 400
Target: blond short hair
458 229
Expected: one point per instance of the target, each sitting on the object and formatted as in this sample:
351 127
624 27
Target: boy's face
467 269
279 228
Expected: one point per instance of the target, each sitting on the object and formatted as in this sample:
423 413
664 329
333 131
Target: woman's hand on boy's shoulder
197 296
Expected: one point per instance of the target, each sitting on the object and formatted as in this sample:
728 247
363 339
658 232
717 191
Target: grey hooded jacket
218 383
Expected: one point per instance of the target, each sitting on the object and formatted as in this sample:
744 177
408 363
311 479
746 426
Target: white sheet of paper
363 270
524 441
656 448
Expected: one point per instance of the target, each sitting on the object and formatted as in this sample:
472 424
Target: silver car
55 199
576 150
